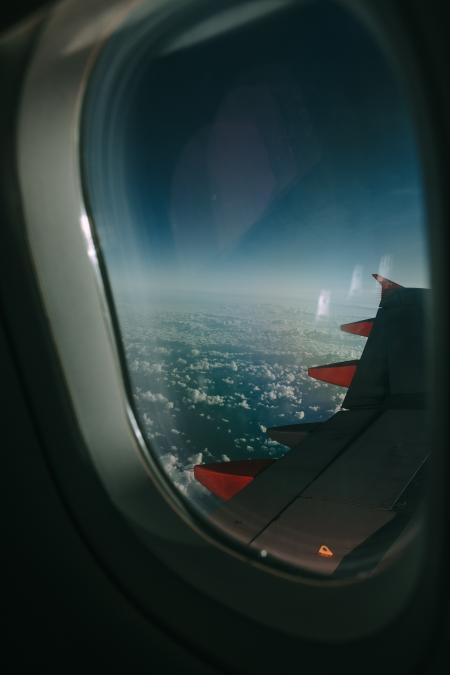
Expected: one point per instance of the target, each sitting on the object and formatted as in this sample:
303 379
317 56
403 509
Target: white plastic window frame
72 290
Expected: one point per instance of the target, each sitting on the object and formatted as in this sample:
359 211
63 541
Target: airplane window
257 197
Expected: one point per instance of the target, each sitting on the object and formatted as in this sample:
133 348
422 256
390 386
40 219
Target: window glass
244 190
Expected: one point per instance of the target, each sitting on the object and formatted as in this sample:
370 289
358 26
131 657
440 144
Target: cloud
157 398
162 350
196 458
147 420
203 364
280 391
199 396
153 398
285 391
266 371
169 461
182 475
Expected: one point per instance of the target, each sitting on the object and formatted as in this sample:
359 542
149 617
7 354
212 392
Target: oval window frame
75 280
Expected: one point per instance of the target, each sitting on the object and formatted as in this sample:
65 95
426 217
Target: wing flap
379 465
307 525
250 511
292 434
336 491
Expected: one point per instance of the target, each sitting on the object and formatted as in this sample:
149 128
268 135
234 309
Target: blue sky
281 162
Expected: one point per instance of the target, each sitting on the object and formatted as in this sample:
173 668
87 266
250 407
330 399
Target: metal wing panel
298 535
250 511
379 465
393 360
338 491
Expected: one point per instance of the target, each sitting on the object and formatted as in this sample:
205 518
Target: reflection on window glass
245 190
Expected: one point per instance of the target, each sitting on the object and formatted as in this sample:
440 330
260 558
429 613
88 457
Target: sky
276 161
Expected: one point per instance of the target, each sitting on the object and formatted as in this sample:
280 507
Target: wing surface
340 492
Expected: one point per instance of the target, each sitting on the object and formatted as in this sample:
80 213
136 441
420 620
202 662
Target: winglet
386 284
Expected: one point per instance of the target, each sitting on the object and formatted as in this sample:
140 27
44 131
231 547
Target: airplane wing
341 497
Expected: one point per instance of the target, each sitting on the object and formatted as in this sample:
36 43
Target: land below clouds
210 376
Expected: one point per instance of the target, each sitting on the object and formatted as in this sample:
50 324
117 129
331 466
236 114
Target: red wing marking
226 479
362 328
341 373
